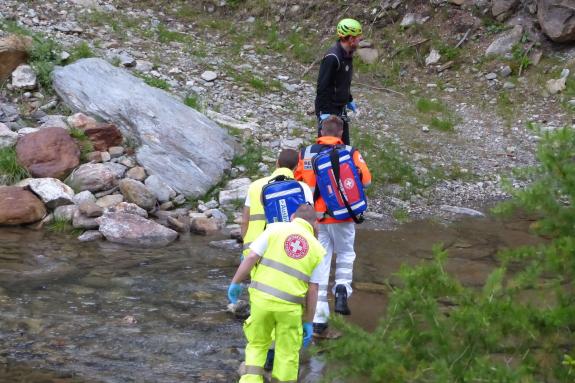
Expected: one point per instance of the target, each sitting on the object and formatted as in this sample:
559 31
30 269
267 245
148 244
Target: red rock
50 152
13 52
104 136
19 206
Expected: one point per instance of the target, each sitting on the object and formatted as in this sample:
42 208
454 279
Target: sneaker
270 360
341 300
319 330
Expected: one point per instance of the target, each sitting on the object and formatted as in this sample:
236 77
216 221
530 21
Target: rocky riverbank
445 108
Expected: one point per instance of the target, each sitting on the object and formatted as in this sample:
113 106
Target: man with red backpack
329 159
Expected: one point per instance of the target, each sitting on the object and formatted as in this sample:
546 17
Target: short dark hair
332 126
288 158
307 212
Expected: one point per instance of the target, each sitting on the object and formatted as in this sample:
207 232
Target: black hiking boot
341 300
319 330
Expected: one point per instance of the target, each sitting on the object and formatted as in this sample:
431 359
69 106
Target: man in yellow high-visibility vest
253 217
287 254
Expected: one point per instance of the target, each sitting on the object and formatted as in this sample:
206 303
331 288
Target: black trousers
345 135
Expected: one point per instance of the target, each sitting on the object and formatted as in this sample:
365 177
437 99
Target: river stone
8 112
220 217
209 76
13 52
104 136
161 190
128 208
81 121
52 191
19 206
8 138
557 19
84 196
226 244
136 192
54 121
80 221
24 78
109 201
25 131
50 152
90 235
65 213
505 42
204 225
185 149
181 224
94 177
91 209
131 229
462 211
137 173
116 151
235 190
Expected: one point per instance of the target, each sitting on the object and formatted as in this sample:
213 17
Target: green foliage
520 58
10 170
165 35
153 81
435 114
80 51
448 52
401 215
193 101
62 226
517 328
83 141
493 26
250 158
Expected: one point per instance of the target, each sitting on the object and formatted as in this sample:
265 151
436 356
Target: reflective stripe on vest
277 293
284 269
257 217
254 370
275 380
310 151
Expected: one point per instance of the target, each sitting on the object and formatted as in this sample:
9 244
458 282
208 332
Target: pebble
491 76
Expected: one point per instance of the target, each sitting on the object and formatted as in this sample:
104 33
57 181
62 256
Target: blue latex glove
323 116
234 292
307 333
352 106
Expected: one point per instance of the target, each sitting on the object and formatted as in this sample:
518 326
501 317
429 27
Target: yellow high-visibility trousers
288 337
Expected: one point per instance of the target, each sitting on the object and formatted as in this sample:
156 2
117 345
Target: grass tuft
10 170
83 141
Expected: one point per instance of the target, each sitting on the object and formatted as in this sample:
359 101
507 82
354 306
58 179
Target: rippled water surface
100 312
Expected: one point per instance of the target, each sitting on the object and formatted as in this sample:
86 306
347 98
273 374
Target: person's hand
234 292
352 106
307 333
323 116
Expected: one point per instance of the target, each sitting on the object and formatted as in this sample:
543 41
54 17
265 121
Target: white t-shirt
260 245
306 191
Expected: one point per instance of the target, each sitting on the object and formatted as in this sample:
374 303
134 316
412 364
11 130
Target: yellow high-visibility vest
283 273
257 218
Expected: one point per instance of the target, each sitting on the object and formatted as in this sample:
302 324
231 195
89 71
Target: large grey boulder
180 145
557 19
131 229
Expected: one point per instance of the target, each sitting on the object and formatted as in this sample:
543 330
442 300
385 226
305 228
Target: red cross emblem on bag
296 246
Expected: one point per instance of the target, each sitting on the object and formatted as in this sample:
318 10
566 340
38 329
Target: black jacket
334 81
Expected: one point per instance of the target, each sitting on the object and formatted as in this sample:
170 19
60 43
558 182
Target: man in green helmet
333 95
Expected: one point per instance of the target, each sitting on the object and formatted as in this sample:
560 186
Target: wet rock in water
181 224
50 152
194 152
8 138
204 226
90 235
462 211
13 52
241 309
227 244
19 206
162 216
65 213
161 190
136 192
93 177
128 208
220 217
130 229
52 191
24 78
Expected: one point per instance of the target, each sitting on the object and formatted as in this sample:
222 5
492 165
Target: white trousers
338 238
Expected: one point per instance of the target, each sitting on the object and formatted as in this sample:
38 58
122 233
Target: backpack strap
334 158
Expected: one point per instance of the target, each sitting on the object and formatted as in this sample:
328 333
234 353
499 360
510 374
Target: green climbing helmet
348 27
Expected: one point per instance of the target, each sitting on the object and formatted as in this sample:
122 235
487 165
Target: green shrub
250 158
516 328
153 81
80 51
62 226
10 170
193 101
83 141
